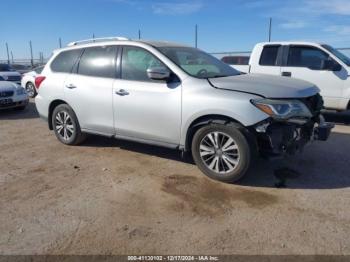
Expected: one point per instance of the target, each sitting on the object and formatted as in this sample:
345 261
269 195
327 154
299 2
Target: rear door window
269 55
98 61
64 62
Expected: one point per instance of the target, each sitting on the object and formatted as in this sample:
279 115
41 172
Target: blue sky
224 25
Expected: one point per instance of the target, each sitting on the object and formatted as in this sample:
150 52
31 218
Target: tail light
39 80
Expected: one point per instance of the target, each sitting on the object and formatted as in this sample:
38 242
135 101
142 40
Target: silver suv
176 96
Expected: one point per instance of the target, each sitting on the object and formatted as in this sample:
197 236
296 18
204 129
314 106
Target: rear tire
30 89
66 126
221 152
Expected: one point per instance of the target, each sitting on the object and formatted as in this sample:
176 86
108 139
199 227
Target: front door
307 63
143 108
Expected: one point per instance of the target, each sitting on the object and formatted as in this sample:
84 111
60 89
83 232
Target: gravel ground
114 197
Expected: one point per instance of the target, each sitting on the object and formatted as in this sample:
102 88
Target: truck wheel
221 152
66 126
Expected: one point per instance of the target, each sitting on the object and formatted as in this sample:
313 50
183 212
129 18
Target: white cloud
184 8
338 29
293 25
336 7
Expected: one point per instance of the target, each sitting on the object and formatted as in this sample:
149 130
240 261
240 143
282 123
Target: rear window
38 69
236 60
269 55
64 62
98 61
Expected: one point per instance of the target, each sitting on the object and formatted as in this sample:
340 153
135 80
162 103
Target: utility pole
31 53
270 29
12 57
93 36
8 55
139 34
196 36
60 42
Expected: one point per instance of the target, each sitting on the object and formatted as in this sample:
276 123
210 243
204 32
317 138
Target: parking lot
114 197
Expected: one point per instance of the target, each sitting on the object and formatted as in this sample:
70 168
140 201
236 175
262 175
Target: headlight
20 91
283 109
5 77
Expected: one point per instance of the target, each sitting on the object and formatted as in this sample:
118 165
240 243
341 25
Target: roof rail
118 38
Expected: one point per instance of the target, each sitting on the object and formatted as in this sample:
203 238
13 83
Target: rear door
88 90
269 61
307 63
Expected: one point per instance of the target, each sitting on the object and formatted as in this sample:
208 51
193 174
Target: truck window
269 55
236 60
306 56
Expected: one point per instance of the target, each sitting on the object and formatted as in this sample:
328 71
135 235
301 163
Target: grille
6 93
14 78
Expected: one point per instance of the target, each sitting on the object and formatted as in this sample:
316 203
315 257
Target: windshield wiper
217 76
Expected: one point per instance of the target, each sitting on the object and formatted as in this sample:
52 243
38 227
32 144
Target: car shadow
29 112
162 152
322 165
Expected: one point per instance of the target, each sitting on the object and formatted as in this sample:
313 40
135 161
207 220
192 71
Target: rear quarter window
64 62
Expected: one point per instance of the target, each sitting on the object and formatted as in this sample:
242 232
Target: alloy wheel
30 89
219 152
64 125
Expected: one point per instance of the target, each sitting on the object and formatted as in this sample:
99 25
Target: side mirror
331 65
158 73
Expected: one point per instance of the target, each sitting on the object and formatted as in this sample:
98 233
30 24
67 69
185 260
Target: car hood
8 86
266 86
9 73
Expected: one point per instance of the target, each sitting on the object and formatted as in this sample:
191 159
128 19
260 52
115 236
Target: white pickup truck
319 64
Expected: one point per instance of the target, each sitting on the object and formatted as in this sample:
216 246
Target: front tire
221 152
66 126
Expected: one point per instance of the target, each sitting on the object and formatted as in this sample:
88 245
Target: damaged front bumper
287 137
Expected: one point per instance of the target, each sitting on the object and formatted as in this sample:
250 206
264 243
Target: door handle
71 86
122 92
288 74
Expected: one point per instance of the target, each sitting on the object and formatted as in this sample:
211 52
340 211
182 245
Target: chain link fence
25 62
36 62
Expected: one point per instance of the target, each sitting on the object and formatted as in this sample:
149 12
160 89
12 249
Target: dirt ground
115 197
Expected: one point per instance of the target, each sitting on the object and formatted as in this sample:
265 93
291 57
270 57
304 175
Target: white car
319 64
12 95
28 81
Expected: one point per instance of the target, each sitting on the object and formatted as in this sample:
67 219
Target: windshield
5 68
338 54
198 63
